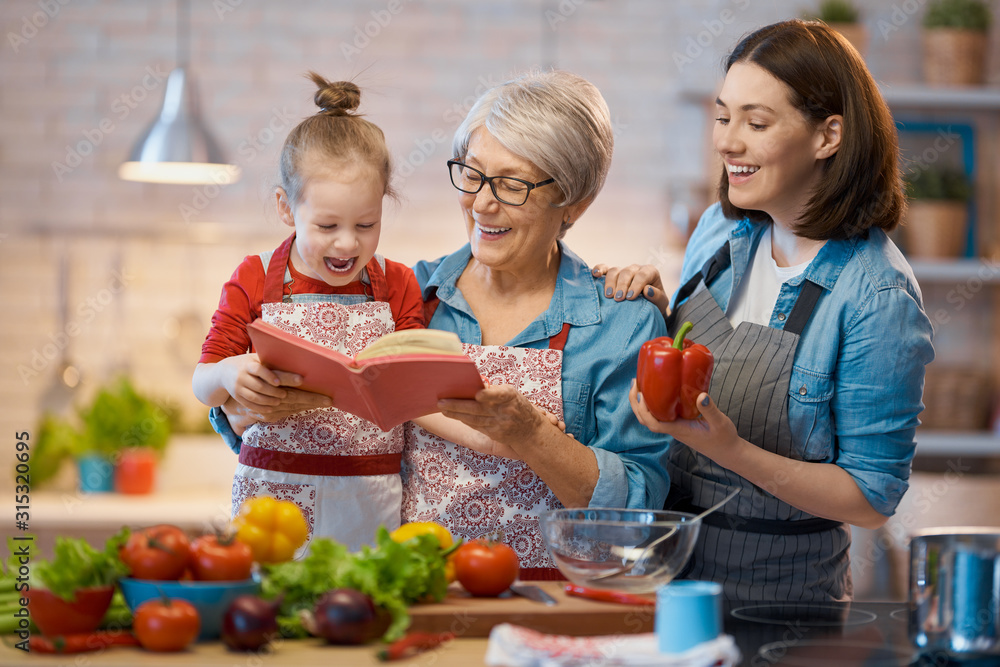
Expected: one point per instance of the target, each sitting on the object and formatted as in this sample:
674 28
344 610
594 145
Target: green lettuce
394 575
75 564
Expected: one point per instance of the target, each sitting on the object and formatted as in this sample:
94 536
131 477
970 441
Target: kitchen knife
533 593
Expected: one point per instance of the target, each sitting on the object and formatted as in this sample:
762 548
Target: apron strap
719 261
715 264
430 307
274 277
803 308
376 276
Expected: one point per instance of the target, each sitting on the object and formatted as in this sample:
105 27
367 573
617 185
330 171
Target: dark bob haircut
861 186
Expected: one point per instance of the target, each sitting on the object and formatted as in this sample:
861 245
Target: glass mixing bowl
619 549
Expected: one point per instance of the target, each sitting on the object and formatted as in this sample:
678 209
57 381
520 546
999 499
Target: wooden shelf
957 270
972 98
957 443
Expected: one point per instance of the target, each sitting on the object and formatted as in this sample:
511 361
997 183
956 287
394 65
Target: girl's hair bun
339 98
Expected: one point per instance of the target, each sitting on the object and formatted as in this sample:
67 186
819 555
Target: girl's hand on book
296 400
250 382
555 421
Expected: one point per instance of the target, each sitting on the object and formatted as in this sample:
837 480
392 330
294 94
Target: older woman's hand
503 414
295 400
712 434
632 281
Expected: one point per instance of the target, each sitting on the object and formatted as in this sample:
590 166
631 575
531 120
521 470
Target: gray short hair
556 120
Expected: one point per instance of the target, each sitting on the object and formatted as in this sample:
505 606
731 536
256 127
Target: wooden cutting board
468 616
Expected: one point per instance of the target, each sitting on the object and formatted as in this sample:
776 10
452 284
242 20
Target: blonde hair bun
338 98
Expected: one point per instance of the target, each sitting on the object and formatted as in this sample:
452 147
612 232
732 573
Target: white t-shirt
757 293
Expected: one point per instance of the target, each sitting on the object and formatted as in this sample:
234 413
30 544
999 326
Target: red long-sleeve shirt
243 294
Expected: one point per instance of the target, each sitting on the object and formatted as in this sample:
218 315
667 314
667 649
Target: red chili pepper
414 643
608 596
80 643
671 374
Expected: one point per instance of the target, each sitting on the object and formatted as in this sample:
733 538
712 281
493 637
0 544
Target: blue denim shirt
599 363
858 373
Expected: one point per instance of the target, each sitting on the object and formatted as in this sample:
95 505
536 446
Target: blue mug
688 613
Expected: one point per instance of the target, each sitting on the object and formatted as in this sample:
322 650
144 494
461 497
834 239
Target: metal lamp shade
177 147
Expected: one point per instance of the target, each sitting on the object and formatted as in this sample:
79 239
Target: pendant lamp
177 147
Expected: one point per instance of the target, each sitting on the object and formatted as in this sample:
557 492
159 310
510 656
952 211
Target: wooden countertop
469 618
286 653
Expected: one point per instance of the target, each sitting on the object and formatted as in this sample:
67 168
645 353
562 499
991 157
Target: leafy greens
394 575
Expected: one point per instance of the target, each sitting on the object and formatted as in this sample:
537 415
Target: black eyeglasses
506 189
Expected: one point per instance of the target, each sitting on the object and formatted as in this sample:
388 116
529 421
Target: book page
413 341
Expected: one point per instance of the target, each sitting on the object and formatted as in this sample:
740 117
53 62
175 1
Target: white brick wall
426 61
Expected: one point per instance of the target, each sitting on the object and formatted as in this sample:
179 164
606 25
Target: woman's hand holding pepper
712 434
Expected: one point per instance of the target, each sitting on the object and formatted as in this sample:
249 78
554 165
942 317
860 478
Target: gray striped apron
758 547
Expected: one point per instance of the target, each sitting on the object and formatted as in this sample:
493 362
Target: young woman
814 317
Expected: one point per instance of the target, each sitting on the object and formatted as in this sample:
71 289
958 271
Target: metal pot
955 591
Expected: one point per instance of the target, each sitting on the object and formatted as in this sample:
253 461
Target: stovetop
872 634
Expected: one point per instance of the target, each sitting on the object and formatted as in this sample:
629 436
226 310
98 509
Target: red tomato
158 552
226 559
486 569
166 624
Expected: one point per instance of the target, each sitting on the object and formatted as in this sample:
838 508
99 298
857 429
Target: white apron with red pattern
341 470
477 494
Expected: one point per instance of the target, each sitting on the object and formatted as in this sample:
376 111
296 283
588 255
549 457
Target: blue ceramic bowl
210 598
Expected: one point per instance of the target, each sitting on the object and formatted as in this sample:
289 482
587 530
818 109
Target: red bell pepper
671 374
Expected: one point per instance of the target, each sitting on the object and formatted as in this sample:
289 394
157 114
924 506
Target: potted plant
116 441
936 222
954 42
844 17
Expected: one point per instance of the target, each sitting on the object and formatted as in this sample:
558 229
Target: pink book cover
386 391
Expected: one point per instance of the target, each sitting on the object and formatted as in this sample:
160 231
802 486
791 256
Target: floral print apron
477 494
341 470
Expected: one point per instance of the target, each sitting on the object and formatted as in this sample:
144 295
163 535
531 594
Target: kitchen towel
515 646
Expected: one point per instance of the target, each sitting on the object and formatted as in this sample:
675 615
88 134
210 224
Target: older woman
529 160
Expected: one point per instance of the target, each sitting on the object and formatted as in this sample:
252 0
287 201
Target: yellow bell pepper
410 530
272 528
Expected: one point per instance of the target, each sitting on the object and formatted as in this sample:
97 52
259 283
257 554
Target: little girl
326 284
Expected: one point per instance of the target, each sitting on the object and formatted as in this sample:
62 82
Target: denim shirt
858 372
599 364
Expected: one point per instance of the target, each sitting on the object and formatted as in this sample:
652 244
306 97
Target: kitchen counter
872 634
192 491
